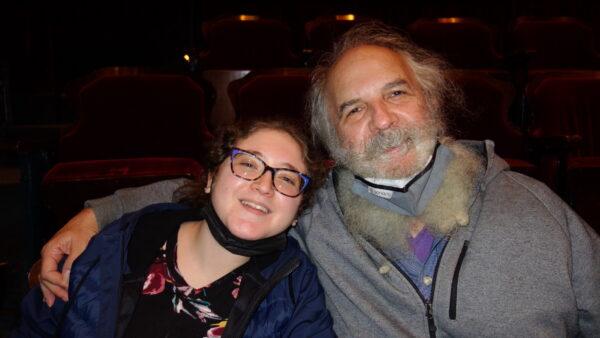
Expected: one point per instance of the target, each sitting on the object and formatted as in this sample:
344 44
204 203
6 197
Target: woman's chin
246 230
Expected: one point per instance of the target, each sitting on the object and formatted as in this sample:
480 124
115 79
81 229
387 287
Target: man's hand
70 240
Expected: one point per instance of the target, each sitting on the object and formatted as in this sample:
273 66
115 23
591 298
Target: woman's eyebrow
286 165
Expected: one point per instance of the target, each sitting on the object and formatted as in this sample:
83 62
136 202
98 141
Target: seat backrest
276 92
568 104
488 100
465 42
128 113
247 42
67 185
323 31
557 42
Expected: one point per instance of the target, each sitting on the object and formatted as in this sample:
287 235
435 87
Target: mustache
384 140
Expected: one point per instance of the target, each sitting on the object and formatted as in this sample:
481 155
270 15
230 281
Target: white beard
415 143
448 209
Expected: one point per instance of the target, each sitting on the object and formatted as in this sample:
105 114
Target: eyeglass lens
249 167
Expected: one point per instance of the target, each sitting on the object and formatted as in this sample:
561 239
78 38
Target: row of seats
248 42
560 42
126 113
566 108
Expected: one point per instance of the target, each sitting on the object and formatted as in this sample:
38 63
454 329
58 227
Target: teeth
255 206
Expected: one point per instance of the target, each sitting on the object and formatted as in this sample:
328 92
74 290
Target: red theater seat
465 42
323 31
247 42
566 107
67 185
276 92
488 100
557 42
125 112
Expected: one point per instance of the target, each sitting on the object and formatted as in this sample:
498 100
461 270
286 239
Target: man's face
379 114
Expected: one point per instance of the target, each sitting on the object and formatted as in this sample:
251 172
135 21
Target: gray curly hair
429 71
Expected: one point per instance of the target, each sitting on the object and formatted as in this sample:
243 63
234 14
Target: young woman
224 268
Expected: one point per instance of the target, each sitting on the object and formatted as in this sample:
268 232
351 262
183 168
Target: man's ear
209 180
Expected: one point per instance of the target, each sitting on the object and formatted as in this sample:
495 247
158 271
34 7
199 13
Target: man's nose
264 184
382 117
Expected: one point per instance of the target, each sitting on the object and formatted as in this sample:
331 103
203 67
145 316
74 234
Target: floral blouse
169 307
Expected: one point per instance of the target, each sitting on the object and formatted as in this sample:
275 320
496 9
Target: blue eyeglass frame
305 178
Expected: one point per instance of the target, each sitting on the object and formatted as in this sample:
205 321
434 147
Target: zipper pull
430 321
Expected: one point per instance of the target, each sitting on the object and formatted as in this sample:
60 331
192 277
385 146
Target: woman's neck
200 258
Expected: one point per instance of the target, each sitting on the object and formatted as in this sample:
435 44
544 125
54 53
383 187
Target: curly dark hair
217 151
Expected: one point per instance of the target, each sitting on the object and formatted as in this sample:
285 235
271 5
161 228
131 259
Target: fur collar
448 208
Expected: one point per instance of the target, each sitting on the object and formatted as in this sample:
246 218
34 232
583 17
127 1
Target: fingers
52 282
69 241
52 286
48 296
74 252
52 254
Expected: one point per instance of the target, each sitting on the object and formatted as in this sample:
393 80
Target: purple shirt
421 245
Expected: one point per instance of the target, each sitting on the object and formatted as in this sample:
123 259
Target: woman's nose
264 184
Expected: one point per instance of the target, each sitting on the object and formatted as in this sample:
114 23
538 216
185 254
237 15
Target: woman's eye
248 164
287 180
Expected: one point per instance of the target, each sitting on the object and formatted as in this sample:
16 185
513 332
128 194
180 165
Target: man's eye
397 93
353 111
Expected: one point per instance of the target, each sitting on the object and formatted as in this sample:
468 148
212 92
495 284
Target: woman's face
254 210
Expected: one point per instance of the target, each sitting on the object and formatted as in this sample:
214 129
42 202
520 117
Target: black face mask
237 245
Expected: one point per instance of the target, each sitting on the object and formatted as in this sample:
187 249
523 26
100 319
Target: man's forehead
367 65
374 58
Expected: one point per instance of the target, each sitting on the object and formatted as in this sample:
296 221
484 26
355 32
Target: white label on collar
387 194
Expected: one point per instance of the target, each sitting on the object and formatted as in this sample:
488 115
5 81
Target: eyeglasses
287 182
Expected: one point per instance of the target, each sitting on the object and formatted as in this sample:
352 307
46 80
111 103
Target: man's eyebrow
389 85
399 82
345 105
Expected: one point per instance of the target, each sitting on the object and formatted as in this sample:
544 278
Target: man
414 234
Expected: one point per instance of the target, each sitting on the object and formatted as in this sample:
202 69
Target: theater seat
555 42
583 175
126 112
67 185
565 106
246 42
488 100
465 42
275 92
322 31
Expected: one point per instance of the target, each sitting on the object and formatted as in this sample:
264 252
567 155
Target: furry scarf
448 208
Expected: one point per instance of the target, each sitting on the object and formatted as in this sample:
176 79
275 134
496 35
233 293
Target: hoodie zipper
427 303
454 286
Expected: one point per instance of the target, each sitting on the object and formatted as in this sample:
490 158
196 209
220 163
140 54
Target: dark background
45 45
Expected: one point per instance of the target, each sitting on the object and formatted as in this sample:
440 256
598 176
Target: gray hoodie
525 266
